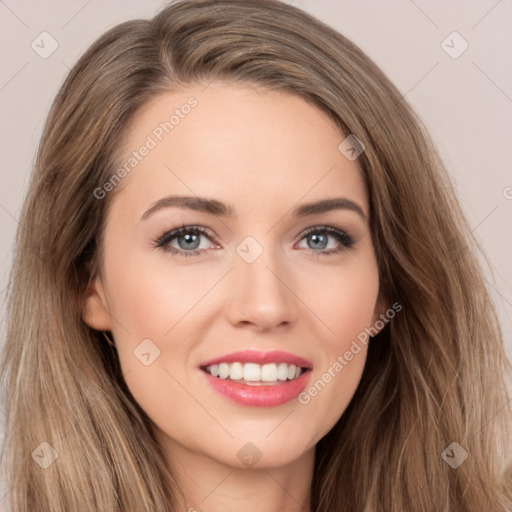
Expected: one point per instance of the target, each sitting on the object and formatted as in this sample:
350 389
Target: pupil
316 237
187 237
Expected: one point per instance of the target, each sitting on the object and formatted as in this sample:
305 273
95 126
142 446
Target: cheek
343 300
150 300
347 312
330 391
161 306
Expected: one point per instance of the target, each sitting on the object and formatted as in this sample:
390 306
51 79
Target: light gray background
465 102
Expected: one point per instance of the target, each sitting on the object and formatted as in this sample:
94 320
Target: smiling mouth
254 374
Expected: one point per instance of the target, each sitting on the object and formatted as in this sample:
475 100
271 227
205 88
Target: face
252 269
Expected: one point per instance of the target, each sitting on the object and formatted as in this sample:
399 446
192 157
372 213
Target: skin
265 153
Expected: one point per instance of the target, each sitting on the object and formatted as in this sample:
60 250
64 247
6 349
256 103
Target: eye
187 238
318 237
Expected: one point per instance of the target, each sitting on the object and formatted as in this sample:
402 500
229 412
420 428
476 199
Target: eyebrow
219 209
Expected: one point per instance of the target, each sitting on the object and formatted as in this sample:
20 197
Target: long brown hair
434 376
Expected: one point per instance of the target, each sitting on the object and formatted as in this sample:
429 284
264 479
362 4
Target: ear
96 313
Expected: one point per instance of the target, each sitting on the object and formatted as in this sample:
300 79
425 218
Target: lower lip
259 396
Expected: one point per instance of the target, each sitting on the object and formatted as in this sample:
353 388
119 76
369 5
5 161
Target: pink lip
264 395
259 396
255 356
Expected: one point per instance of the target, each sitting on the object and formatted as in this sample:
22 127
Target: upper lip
255 356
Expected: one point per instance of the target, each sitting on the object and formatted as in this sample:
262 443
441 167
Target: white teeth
236 371
252 372
269 372
223 370
282 371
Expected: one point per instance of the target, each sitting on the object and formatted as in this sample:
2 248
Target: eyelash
162 242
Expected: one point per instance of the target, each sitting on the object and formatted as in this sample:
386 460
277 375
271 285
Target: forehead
246 145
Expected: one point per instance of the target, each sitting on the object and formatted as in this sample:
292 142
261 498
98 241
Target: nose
260 295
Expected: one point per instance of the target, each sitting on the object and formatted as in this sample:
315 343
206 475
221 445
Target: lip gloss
267 395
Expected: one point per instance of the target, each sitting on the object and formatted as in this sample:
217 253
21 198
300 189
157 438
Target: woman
242 280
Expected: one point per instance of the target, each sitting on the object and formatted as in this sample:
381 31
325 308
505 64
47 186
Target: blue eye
189 236
188 240
319 243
